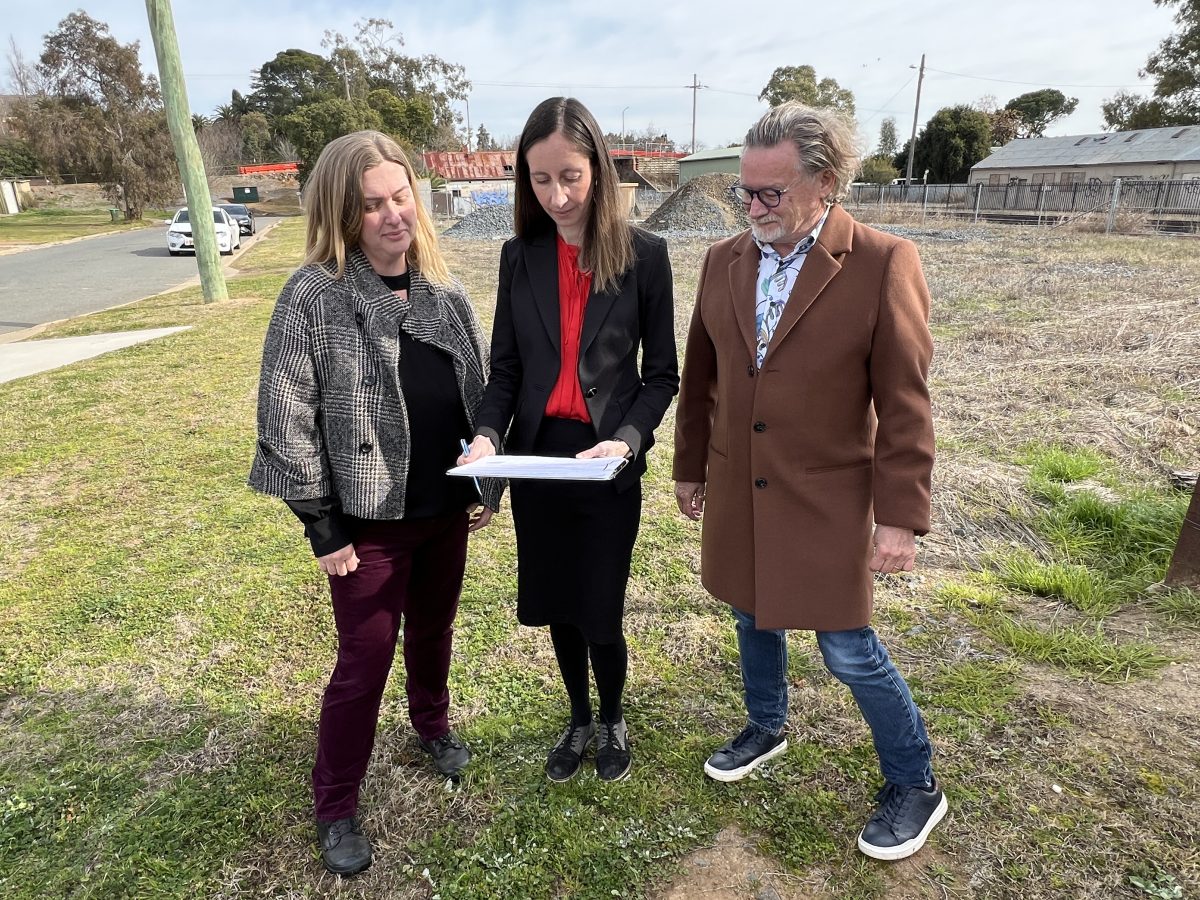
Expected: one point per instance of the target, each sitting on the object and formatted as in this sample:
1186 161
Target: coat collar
824 261
542 260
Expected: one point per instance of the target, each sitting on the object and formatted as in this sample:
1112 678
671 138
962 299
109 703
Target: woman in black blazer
580 293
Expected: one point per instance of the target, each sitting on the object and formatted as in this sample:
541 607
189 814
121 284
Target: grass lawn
44 226
165 635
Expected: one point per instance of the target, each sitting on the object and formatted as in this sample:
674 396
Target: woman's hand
478 516
339 562
480 447
604 448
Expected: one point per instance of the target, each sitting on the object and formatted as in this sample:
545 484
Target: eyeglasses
768 197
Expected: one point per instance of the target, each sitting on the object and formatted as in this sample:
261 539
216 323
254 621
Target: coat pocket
821 470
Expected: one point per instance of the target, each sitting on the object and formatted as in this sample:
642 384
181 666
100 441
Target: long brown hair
607 248
333 202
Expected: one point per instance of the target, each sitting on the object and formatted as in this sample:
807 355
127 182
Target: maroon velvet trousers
410 570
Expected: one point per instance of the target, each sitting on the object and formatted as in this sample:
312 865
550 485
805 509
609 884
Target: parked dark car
243 215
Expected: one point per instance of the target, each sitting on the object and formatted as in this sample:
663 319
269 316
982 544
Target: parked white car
179 233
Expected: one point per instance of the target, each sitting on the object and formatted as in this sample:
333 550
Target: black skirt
574 541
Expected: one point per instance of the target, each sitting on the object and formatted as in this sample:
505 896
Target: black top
437 421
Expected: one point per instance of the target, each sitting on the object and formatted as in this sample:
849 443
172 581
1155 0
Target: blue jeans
858 660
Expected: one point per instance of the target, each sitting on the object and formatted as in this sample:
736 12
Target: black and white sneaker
613 759
902 821
736 758
566 756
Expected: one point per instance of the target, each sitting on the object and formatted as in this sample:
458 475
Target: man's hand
895 549
480 447
339 562
690 497
604 448
478 515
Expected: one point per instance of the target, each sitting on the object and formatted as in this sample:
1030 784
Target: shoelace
446 742
341 828
610 736
575 738
893 802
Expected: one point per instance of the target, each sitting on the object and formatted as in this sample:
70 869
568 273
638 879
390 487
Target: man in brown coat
804 435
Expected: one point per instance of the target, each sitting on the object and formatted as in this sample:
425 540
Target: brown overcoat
833 434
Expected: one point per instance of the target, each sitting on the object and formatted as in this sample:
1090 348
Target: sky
633 64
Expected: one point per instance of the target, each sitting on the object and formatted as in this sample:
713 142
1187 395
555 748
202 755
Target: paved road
58 282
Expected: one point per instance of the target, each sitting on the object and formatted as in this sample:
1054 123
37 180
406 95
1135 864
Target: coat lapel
541 257
822 264
599 305
743 270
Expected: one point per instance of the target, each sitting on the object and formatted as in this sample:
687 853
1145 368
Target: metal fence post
924 200
1041 204
978 195
1112 209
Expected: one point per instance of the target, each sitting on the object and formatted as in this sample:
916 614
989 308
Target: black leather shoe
902 821
735 759
567 755
450 755
345 850
612 751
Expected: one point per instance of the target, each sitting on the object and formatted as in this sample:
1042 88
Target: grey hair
824 139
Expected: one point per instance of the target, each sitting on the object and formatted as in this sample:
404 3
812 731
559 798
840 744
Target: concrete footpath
23 358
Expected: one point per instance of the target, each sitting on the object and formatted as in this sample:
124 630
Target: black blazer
624 403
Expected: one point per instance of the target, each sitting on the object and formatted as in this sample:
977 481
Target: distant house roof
481 166
1149 145
718 153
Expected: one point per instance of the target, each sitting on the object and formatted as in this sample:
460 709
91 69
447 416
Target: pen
466 450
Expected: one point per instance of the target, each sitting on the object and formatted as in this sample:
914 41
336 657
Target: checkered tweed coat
331 415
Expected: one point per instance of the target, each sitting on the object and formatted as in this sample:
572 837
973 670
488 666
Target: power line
1030 83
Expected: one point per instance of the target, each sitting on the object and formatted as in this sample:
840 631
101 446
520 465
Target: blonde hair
607 248
333 202
823 139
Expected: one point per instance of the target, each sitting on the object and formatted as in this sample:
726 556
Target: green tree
951 142
373 60
312 126
483 139
1175 67
17 158
96 113
256 136
293 78
408 120
878 169
800 83
1126 111
888 142
1037 109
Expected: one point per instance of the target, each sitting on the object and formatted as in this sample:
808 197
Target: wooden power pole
912 141
187 150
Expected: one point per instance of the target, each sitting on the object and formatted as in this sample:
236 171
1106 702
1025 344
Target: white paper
559 468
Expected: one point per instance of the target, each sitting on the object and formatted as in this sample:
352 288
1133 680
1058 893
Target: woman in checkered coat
373 369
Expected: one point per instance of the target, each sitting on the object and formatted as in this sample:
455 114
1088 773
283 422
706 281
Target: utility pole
695 91
623 125
468 103
912 141
187 150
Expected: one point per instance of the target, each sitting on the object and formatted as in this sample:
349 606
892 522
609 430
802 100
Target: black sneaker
902 821
345 850
450 755
567 755
735 759
612 751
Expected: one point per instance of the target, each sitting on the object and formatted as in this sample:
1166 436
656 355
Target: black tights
609 662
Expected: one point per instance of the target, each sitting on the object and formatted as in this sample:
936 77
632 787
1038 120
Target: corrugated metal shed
1150 145
717 153
481 166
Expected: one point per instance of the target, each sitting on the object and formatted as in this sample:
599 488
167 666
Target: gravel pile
488 222
702 206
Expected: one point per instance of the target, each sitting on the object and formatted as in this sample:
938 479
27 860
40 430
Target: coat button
358 317
370 380
365 448
590 393
750 371
760 427
760 482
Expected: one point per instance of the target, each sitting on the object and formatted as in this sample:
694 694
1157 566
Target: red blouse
566 400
